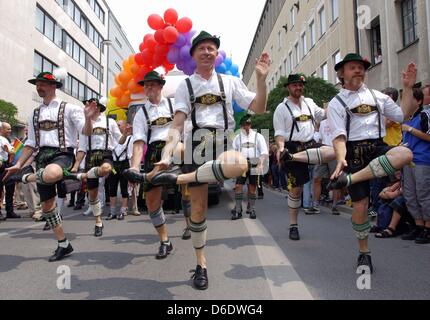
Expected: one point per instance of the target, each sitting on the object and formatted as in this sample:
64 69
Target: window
118 66
49 28
279 40
321 14
304 44
312 33
75 88
375 43
118 43
77 17
336 60
38 64
70 9
285 67
68 85
334 10
292 17
297 51
290 62
82 57
41 64
409 21
58 36
76 51
97 10
68 45
324 71
39 19
81 91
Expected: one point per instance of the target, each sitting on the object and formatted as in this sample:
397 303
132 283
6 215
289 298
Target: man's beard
41 93
297 94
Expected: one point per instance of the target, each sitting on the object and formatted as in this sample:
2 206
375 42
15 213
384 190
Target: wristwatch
410 129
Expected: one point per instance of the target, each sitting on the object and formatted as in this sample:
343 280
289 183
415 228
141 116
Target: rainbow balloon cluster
168 47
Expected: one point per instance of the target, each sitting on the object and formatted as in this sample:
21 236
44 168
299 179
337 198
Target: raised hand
410 76
262 66
10 171
90 110
339 169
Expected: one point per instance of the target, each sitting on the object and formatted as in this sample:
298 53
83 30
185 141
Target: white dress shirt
119 152
98 141
283 122
362 127
213 116
74 121
158 132
252 145
4 155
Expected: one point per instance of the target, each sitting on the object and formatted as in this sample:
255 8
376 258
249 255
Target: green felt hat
353 57
46 77
203 36
295 78
153 76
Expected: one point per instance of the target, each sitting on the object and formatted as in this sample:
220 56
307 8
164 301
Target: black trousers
9 192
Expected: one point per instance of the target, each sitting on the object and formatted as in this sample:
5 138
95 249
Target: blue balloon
234 68
228 72
228 62
221 68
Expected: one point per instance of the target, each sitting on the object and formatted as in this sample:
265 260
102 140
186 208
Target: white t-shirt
4 155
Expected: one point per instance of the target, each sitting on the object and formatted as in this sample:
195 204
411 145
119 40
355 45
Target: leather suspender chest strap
107 137
148 120
349 114
60 126
193 102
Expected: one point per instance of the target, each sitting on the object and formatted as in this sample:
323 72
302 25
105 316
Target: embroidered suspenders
148 120
301 118
60 126
207 99
107 137
349 113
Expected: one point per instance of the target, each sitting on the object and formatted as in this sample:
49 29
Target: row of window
81 20
321 14
71 85
46 25
286 68
97 9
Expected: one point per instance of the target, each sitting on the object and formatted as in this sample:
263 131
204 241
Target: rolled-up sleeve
83 142
182 99
279 122
336 117
31 138
78 117
140 127
391 109
241 94
262 145
116 133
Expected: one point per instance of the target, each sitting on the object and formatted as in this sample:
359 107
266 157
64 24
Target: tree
8 112
317 89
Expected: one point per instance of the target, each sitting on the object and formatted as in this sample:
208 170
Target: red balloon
158 60
184 25
168 66
159 36
171 16
171 34
146 37
146 57
142 47
151 42
161 49
156 22
139 58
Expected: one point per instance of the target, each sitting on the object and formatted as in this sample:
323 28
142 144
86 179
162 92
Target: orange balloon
134 68
117 92
117 81
124 100
131 59
125 77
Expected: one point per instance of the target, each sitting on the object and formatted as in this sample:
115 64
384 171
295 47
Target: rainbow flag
18 146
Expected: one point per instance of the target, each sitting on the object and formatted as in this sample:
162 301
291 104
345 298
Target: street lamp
103 43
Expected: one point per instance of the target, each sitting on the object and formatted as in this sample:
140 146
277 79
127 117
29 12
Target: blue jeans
307 189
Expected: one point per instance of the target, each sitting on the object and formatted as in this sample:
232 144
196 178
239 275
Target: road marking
292 287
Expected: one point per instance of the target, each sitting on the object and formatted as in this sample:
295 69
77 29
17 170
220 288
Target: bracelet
410 130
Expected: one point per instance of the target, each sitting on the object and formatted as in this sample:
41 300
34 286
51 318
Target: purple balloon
181 41
189 35
223 54
180 65
184 53
173 55
219 59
